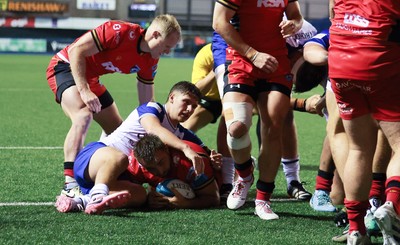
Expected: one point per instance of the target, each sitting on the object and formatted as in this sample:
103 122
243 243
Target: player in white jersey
98 167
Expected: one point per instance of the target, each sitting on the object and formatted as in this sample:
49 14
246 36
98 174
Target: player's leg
321 200
357 176
377 197
290 160
227 169
237 109
105 166
387 215
81 118
108 118
273 108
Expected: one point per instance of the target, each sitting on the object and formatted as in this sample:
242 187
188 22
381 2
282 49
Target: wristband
252 59
299 105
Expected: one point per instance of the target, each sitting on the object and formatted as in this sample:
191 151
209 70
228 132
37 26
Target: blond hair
167 24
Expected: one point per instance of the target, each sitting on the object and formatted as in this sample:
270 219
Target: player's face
161 45
183 106
161 165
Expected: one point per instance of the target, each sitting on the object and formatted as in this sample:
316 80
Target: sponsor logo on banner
96 4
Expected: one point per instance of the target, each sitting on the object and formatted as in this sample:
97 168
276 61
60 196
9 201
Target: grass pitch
33 128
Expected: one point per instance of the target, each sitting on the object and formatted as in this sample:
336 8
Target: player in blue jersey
99 164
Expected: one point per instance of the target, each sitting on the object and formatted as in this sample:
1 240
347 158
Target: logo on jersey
154 69
110 67
271 3
134 69
116 27
132 35
356 20
289 77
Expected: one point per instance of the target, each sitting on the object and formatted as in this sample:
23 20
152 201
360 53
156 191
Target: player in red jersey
152 162
259 76
114 47
364 70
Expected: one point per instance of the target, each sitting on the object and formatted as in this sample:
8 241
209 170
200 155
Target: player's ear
156 34
171 97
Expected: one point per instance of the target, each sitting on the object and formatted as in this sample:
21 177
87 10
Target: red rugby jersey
259 24
181 168
118 43
359 36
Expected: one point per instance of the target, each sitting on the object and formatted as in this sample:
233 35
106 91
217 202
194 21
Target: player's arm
294 20
77 52
206 197
315 53
331 11
205 84
145 91
313 104
152 125
223 27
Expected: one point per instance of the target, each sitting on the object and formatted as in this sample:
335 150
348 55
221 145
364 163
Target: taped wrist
299 105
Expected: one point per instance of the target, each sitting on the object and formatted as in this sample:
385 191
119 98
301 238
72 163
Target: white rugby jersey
129 132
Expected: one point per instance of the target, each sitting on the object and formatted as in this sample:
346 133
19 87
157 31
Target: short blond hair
168 24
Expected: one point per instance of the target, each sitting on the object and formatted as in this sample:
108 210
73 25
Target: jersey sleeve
321 38
151 108
108 35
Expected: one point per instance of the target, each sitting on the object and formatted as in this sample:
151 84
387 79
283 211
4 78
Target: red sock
393 192
378 186
262 195
69 172
356 211
323 184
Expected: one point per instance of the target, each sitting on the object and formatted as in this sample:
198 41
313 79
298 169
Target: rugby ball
165 187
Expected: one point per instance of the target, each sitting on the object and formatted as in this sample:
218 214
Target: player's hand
288 28
311 103
197 160
216 160
178 201
266 62
320 106
91 100
156 200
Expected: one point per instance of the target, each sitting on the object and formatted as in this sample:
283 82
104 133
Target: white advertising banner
96 4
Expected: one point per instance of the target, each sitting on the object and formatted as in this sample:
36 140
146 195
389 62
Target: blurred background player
114 47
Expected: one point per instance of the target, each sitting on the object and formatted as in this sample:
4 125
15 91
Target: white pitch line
31 148
2 204
20 204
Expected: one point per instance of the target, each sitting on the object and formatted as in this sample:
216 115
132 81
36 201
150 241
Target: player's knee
238 117
83 117
237 129
238 143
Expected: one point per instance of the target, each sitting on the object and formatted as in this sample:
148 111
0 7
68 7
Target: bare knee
237 129
82 119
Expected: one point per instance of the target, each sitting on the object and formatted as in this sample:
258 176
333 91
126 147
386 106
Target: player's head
153 155
182 100
308 76
162 35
